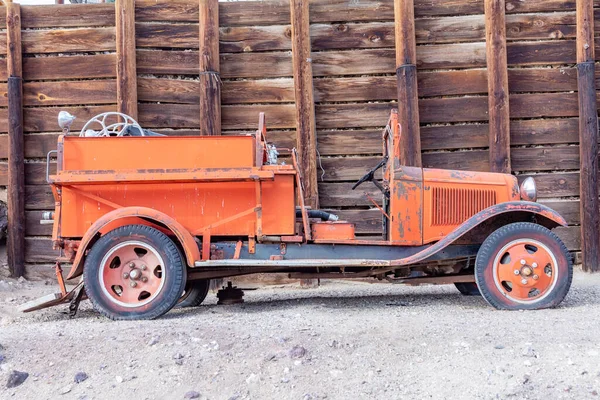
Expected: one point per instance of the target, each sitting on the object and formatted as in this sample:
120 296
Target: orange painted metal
338 230
527 273
182 177
452 197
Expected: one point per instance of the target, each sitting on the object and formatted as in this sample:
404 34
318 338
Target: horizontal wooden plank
232 92
233 117
349 142
355 62
67 15
522 159
545 158
539 105
463 136
552 185
544 131
161 35
33 226
569 209
36 146
571 236
357 35
71 67
523 132
439 110
35 173
43 119
70 93
68 40
342 195
38 197
39 250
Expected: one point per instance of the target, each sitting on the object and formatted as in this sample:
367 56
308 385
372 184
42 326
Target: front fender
541 210
185 238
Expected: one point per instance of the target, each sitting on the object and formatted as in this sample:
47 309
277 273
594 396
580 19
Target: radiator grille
453 206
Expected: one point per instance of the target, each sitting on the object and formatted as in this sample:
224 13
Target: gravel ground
343 340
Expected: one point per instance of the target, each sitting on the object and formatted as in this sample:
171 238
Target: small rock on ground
191 395
16 378
80 377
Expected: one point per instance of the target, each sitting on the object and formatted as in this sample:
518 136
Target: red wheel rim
525 271
131 274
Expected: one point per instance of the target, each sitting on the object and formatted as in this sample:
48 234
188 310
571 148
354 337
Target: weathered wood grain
127 100
70 68
588 137
233 117
355 62
43 119
69 40
39 250
306 139
15 169
498 99
210 82
33 226
59 93
342 195
68 15
38 197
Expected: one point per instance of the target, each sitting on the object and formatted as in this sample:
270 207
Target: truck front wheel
523 266
134 272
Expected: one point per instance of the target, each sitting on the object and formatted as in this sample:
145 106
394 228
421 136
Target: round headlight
528 190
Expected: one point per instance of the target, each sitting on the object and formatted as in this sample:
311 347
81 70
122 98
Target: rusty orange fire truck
146 221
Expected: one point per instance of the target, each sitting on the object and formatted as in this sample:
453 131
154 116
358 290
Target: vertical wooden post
588 137
497 69
306 134
127 102
16 165
306 131
406 73
210 82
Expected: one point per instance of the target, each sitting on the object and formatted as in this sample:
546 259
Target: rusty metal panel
406 206
332 231
452 197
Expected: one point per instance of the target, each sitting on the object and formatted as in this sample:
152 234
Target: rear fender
125 216
512 211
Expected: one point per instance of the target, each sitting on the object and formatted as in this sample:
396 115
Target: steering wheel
370 176
118 128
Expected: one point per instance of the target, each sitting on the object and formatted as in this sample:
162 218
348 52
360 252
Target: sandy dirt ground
343 340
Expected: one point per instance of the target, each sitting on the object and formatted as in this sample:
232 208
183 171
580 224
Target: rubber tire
468 288
174 273
506 234
194 294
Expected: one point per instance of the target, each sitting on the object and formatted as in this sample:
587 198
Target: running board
294 263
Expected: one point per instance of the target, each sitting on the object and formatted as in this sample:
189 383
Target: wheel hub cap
122 278
514 270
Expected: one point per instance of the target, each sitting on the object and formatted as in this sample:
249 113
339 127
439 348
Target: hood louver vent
454 206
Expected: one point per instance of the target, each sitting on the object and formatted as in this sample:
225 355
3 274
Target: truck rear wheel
194 294
523 266
467 288
134 272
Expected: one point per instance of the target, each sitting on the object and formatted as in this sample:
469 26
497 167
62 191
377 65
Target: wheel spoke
112 276
517 253
520 291
506 272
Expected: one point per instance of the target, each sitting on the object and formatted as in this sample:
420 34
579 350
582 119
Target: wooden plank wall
70 63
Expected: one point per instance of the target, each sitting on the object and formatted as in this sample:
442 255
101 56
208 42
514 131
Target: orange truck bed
201 181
